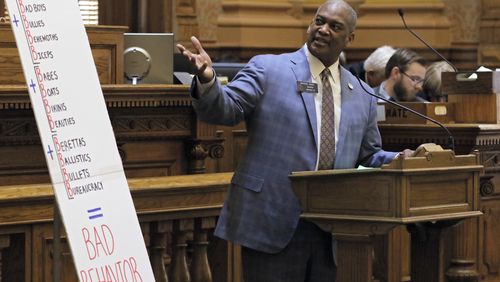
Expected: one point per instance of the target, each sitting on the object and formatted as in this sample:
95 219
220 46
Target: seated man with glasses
404 77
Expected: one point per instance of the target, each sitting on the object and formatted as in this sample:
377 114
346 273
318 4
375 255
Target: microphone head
401 12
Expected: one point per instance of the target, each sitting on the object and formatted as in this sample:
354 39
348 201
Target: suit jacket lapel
300 67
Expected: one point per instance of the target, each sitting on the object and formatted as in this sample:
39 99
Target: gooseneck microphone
401 14
451 140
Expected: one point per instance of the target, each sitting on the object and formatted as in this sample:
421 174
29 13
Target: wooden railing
177 216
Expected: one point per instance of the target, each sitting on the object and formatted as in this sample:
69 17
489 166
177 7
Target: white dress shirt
316 67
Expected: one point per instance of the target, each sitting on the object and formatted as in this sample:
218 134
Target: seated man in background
404 77
374 65
432 81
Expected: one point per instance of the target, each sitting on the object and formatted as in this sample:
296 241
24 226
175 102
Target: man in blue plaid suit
279 99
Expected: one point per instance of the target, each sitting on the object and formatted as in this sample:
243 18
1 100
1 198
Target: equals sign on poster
94 213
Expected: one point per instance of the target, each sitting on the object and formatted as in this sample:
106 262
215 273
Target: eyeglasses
414 79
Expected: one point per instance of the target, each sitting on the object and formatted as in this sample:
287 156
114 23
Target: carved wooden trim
22 131
198 150
149 127
16 97
486 187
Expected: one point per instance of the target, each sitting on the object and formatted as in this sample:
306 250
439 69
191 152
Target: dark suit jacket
261 211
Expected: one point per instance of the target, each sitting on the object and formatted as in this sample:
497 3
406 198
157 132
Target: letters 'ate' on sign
84 165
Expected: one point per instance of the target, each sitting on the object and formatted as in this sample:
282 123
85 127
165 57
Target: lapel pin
350 86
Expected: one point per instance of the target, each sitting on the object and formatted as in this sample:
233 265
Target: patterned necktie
327 142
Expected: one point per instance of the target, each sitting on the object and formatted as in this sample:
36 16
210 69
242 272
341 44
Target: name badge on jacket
307 87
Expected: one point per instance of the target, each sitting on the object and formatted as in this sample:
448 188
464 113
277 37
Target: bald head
331 31
352 16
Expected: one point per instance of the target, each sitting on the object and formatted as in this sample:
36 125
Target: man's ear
395 72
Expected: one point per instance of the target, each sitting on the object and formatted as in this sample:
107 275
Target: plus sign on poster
85 168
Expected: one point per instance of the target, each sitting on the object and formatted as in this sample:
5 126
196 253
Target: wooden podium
435 189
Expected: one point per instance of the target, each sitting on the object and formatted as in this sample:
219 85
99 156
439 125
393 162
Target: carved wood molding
16 97
197 150
146 127
486 187
22 131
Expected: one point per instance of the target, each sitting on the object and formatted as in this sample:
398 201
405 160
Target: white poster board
84 165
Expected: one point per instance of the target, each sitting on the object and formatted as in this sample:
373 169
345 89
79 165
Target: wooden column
355 248
179 271
355 257
392 256
463 264
200 268
159 233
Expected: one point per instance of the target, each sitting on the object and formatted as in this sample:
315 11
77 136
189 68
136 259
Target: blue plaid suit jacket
261 211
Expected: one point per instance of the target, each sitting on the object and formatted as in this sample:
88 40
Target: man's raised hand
200 61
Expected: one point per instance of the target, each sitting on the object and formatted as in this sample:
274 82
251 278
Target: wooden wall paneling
185 21
489 243
235 139
107 47
43 252
10 64
159 16
247 28
150 122
106 43
489 54
119 12
16 257
19 137
380 24
464 17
